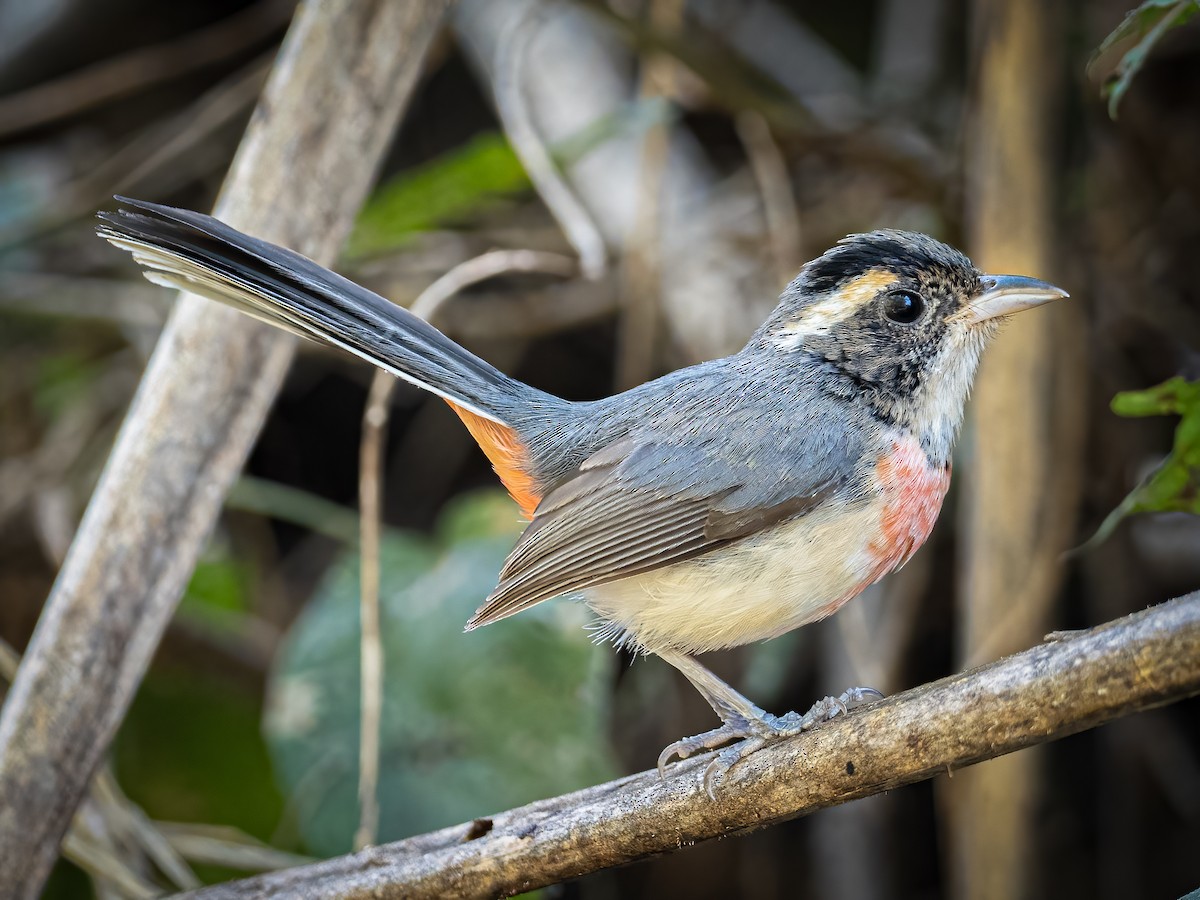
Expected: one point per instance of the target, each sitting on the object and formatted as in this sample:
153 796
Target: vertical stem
370 490
775 189
1021 478
370 493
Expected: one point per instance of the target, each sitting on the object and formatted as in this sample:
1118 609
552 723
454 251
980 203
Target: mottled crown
907 253
914 258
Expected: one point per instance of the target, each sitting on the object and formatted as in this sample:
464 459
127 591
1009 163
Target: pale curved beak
1004 295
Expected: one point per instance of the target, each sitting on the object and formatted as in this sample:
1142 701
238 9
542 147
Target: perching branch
1145 660
329 108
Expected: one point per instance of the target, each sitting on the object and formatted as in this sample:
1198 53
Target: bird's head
898 320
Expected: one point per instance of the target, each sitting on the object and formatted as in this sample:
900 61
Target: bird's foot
745 735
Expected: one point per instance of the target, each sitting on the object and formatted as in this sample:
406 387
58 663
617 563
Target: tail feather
200 254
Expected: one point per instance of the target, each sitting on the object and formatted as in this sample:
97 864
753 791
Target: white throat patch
945 387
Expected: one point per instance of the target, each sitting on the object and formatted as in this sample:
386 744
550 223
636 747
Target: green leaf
1173 397
471 178
477 177
218 582
472 723
1175 485
1147 24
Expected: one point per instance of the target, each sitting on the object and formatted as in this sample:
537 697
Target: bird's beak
1004 295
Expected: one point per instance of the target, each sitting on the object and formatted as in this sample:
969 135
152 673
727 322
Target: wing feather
683 482
632 507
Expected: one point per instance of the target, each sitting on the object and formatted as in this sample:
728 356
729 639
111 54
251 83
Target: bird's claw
748 736
829 707
689 746
728 758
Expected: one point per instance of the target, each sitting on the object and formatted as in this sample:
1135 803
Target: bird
719 505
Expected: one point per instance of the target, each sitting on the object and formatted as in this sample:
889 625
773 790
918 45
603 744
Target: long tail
197 253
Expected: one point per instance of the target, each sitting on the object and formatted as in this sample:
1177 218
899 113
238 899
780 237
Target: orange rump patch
508 457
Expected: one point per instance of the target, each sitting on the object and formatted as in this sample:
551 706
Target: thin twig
370 489
531 313
641 266
132 821
775 188
576 222
158 148
67 438
102 866
490 265
1142 661
134 71
370 476
223 845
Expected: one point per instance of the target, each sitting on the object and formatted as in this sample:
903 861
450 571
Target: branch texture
1141 661
341 79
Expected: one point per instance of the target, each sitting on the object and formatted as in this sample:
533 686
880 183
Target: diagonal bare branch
343 75
1145 660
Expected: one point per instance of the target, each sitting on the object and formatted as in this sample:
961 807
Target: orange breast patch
913 491
508 457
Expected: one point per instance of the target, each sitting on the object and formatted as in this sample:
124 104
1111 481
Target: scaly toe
830 707
751 735
689 746
728 758
855 697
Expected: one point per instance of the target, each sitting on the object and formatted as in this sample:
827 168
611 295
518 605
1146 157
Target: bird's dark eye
904 307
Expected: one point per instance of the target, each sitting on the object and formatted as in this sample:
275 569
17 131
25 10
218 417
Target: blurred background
712 146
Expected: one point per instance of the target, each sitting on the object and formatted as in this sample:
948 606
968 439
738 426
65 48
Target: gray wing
648 501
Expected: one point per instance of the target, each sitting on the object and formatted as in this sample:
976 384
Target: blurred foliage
1146 24
289 504
472 179
465 181
1175 485
472 724
218 583
190 749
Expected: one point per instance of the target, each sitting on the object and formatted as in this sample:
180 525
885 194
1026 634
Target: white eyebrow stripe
820 317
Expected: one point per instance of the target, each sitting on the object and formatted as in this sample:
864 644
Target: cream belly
755 589
791 575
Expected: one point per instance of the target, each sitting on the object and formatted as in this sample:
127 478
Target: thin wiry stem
775 189
370 490
576 222
641 267
128 73
374 426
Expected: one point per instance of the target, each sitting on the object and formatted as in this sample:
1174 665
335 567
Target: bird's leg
744 722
